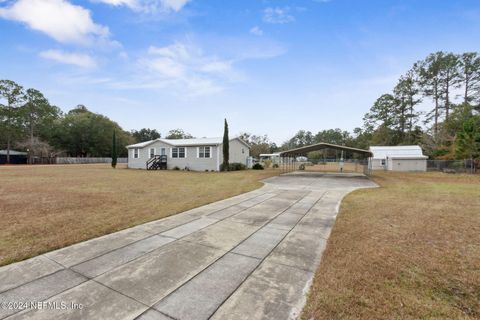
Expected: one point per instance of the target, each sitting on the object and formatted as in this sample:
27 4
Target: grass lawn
48 207
408 250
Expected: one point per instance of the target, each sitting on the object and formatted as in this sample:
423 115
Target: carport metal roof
320 146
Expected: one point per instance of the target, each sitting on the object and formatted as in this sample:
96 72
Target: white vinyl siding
188 156
204 152
179 152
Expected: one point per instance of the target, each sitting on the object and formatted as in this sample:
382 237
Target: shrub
257 166
301 167
275 165
267 163
176 168
237 166
234 166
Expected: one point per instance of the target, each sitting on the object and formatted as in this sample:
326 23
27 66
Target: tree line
29 122
435 104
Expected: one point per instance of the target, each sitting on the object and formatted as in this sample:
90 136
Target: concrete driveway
248 257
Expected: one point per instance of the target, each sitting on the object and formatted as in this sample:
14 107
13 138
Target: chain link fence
397 164
453 166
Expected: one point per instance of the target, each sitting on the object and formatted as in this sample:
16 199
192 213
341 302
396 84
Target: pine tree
114 150
10 117
430 82
226 146
450 80
470 76
407 93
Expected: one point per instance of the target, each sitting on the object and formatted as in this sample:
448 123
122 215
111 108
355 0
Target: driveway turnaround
248 257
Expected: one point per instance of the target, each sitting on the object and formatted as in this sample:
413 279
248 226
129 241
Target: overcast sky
269 67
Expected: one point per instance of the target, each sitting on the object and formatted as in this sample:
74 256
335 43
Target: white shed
398 158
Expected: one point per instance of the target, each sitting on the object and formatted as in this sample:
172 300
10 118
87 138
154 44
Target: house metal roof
382 152
186 142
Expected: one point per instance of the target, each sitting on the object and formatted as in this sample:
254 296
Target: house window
136 152
204 152
383 162
178 152
162 151
243 150
151 152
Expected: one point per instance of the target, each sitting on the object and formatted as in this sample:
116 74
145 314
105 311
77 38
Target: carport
289 157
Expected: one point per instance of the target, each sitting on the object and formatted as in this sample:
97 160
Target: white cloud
77 59
175 5
149 6
128 3
218 67
183 68
278 15
59 19
256 31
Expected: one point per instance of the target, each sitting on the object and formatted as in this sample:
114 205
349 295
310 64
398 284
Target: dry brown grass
408 250
47 207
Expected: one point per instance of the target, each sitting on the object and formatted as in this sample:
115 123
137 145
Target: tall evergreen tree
10 116
226 146
38 114
387 120
449 80
383 112
407 93
114 150
470 76
430 82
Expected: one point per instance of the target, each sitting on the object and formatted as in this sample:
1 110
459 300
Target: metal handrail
149 161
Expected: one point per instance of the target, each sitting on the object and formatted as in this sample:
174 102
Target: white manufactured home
397 158
193 154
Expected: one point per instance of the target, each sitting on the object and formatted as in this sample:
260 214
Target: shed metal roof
382 152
